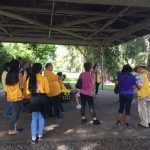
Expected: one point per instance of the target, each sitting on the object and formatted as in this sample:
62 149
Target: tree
43 52
4 57
135 51
68 57
30 52
112 61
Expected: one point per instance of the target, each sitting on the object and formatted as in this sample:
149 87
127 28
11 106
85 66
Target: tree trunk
148 47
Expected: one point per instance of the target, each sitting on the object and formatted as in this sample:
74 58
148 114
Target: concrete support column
102 64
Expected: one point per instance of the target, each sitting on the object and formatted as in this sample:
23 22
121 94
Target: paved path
70 129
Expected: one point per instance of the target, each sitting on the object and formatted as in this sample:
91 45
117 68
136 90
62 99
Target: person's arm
139 82
93 83
27 87
117 80
21 81
46 85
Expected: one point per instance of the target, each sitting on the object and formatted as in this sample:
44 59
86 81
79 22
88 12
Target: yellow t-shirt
14 93
27 96
98 80
23 76
63 88
144 91
42 85
54 85
3 78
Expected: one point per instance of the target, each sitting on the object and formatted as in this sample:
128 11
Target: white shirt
139 82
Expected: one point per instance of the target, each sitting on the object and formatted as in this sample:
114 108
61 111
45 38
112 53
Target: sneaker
33 142
83 121
78 106
140 125
127 125
40 139
97 122
13 132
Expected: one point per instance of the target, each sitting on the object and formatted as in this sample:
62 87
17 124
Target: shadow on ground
69 134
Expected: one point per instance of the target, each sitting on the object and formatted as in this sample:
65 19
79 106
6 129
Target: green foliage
112 60
30 52
135 51
4 57
43 52
69 59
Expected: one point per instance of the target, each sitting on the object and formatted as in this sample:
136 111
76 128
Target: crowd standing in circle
43 92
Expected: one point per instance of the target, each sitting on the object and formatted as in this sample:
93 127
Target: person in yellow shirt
60 79
68 90
143 93
27 96
54 90
38 86
23 73
4 74
97 78
8 107
65 95
14 95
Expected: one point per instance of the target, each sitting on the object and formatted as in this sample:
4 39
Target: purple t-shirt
87 83
126 80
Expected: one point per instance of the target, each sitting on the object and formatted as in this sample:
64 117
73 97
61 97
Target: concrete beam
30 21
48 41
3 29
138 3
78 29
111 21
128 31
85 20
72 12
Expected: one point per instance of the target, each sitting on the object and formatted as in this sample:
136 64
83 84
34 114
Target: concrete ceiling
74 22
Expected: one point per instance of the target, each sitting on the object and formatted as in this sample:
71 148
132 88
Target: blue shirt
126 80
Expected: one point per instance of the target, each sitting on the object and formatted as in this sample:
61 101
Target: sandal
13 132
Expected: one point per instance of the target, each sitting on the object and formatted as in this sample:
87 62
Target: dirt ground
68 133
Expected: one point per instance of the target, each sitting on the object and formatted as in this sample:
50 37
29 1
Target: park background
70 59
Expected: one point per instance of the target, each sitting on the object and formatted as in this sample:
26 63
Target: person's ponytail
36 68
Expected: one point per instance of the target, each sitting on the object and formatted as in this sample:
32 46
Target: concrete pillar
102 65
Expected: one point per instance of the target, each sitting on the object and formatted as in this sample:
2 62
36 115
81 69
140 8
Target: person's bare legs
77 97
120 117
127 118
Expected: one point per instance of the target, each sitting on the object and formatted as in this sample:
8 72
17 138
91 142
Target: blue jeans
8 110
37 125
16 110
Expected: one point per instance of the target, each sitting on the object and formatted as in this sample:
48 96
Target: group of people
43 89
134 86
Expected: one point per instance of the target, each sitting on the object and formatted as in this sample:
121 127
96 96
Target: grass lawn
72 81
1 86
109 87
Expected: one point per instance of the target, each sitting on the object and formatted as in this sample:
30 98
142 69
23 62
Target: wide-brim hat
143 66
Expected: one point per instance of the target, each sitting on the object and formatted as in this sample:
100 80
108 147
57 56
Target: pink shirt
87 83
